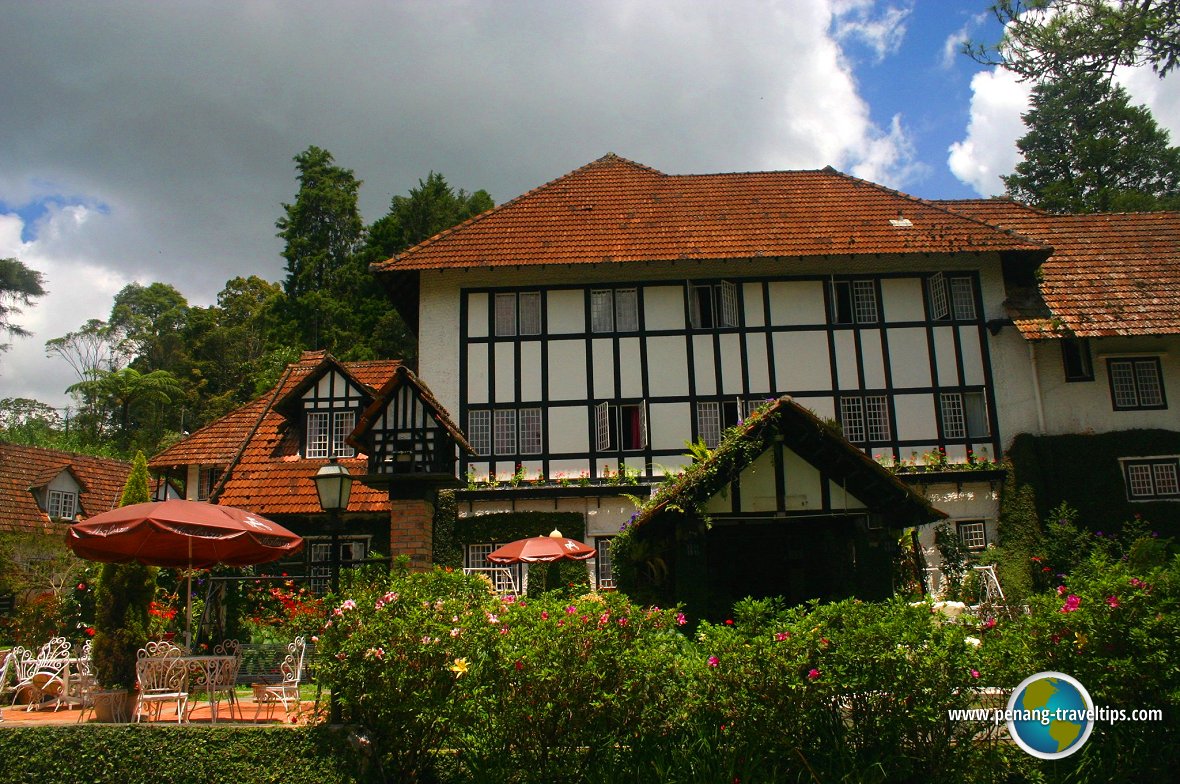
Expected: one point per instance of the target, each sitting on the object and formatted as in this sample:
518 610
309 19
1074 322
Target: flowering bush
572 686
275 612
404 656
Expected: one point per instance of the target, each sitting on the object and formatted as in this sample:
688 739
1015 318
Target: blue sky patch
33 212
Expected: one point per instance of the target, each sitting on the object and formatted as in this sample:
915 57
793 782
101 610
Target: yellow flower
1081 640
459 667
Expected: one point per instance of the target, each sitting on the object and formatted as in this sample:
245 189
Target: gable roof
361 437
26 468
1110 274
807 435
258 446
615 210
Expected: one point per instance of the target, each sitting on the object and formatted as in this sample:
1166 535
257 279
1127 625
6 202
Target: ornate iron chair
162 679
223 679
47 675
286 691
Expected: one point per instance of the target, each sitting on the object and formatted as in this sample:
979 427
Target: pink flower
780 636
813 674
680 619
989 623
1071 603
1061 589
714 661
1112 602
975 673
570 610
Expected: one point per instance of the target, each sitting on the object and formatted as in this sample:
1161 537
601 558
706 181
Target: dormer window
62 505
326 431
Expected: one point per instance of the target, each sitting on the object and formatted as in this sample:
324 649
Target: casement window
1136 384
973 534
854 302
206 479
518 314
505 431
1075 358
865 419
714 417
479 431
326 431
602 566
951 298
1156 478
505 579
620 426
713 305
614 310
352 553
964 415
62 504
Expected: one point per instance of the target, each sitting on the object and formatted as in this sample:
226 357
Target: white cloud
881 29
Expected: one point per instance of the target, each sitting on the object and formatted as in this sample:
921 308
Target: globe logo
1050 715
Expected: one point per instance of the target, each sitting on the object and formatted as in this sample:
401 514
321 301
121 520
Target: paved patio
199 714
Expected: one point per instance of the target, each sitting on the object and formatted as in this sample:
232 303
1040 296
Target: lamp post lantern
333 485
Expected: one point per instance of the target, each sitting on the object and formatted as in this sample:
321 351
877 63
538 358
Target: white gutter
1036 382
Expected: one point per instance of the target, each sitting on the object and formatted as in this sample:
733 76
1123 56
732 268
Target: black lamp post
333 484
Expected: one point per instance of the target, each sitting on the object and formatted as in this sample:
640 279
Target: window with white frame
620 426
504 431
973 534
1136 384
505 315
709 422
951 298
854 302
865 419
602 311
529 312
626 310
602 563
206 479
713 305
506 579
530 431
1154 478
964 415
325 434
479 430
518 314
614 310
62 504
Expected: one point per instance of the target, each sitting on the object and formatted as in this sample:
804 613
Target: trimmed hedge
135 754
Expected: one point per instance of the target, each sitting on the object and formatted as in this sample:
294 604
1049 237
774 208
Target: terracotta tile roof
266 473
26 467
1109 274
615 210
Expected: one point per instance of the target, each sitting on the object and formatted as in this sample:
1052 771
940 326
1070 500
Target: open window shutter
602 426
643 425
727 293
939 305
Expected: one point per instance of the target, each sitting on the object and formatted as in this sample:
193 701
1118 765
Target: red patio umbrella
182 534
553 547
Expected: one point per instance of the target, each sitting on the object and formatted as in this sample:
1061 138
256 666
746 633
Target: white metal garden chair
286 691
162 679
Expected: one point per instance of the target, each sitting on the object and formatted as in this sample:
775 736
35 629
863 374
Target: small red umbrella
553 547
182 534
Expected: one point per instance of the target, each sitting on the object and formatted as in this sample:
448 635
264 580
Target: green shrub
571 687
404 655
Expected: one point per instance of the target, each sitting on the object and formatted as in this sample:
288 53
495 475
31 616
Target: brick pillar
411 531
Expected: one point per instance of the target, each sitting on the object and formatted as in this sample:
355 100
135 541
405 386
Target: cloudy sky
152 141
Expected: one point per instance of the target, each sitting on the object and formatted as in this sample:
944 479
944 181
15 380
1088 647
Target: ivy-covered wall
452 533
1084 471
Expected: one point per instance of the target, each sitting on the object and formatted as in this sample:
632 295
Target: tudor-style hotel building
602 321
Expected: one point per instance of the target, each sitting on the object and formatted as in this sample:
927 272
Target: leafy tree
430 208
134 401
323 228
1047 39
1089 150
19 286
151 319
22 415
